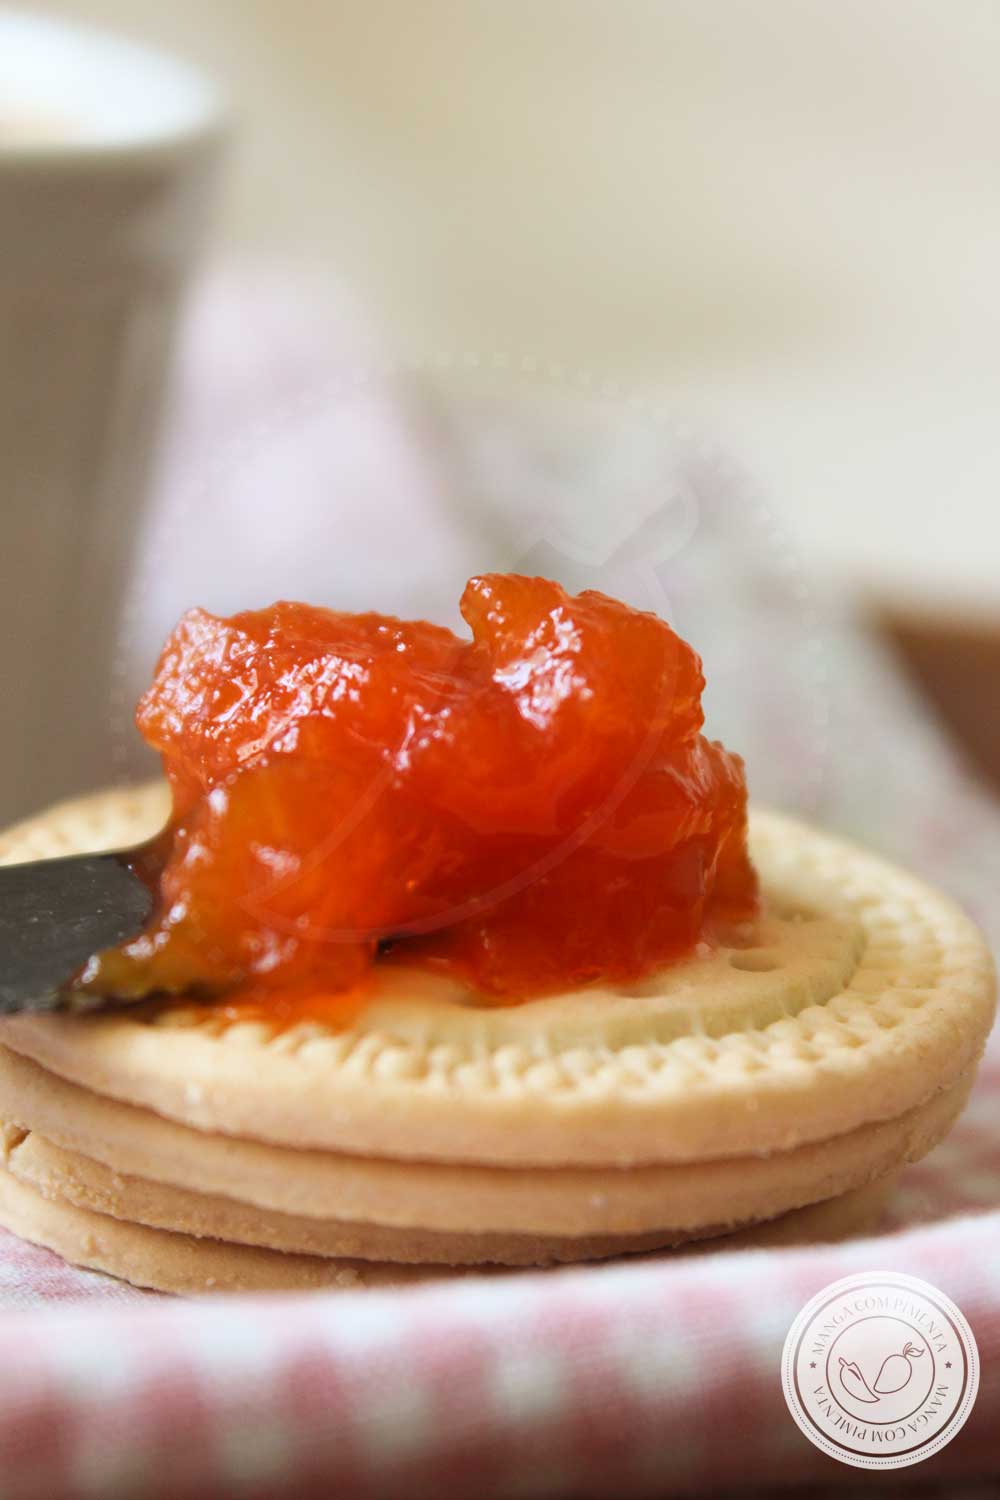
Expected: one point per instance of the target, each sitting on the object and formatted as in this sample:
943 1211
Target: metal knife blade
54 913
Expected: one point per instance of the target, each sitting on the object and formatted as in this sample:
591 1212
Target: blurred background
785 212
776 220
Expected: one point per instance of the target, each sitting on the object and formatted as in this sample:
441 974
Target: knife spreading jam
529 810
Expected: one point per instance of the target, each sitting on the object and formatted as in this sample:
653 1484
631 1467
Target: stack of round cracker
825 1046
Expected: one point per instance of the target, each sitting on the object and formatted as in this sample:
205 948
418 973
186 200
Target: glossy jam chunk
530 809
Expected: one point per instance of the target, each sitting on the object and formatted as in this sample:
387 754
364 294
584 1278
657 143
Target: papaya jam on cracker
528 811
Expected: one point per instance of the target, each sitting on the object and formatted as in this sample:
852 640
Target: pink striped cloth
655 1377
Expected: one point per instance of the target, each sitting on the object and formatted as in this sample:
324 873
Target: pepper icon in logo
880 1370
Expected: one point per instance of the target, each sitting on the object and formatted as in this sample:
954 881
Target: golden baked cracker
68 1176
115 819
456 1199
863 994
860 1211
163 1261
176 1262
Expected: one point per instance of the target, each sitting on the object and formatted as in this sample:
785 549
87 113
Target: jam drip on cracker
529 810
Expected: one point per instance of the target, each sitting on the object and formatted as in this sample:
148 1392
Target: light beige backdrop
785 212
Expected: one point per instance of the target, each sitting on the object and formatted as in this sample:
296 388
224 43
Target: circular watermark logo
880 1370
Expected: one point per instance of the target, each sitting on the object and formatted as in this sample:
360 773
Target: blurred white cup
107 158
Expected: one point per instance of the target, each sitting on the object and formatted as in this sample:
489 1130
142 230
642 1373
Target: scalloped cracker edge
887 1001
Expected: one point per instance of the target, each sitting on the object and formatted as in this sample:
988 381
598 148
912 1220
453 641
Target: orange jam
531 809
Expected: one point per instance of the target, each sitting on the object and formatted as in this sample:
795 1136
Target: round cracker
460 1200
864 993
67 1176
176 1262
167 1262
